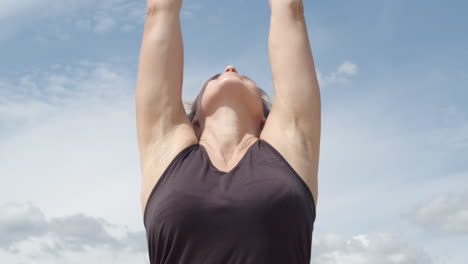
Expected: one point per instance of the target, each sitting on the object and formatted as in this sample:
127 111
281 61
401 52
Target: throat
218 162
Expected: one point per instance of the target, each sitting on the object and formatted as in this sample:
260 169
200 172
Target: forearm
160 70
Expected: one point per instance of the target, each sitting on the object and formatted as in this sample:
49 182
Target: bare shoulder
297 147
160 155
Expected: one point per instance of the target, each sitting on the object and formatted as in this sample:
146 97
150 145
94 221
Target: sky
393 171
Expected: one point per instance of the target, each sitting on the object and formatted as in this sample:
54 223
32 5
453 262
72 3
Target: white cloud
186 13
348 68
458 139
10 8
34 253
63 16
444 213
127 28
20 223
103 23
83 24
381 248
84 15
341 75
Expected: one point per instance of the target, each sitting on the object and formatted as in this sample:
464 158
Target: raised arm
159 107
296 88
293 125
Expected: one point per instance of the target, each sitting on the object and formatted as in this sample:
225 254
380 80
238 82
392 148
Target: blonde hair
191 105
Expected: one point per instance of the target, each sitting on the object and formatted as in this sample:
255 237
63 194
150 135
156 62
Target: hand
173 5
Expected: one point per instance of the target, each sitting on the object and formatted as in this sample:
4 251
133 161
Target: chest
264 196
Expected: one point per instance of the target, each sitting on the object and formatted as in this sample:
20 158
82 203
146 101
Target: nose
230 68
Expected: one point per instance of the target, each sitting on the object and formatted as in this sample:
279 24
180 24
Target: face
233 89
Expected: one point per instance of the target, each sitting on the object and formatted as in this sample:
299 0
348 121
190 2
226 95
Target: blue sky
394 83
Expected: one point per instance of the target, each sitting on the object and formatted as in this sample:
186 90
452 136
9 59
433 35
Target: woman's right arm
159 106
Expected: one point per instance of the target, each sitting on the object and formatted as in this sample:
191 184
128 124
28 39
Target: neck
229 132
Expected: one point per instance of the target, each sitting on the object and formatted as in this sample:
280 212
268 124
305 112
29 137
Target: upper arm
159 106
296 88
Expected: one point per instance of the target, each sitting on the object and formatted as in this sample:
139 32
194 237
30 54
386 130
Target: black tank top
259 212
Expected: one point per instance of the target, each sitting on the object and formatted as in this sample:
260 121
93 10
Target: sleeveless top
259 212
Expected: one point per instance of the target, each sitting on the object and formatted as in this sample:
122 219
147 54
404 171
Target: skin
229 117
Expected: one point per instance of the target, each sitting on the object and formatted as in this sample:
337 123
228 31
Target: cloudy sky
393 176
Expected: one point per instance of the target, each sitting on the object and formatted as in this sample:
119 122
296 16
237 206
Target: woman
232 182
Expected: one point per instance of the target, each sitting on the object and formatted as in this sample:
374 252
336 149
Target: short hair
191 105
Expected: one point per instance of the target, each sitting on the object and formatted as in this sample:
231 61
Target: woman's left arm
296 88
293 125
